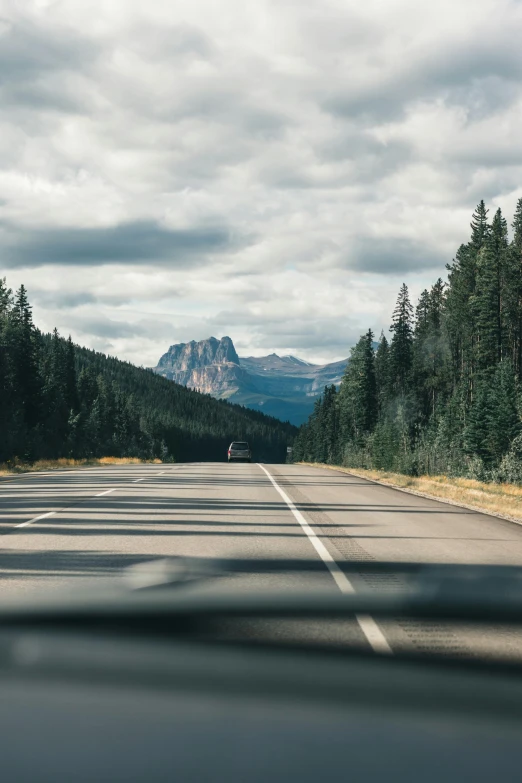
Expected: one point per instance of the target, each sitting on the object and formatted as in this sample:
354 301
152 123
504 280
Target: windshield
300 222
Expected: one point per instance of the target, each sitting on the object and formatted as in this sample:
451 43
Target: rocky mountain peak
282 386
185 357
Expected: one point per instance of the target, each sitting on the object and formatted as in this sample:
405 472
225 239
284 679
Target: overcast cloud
267 169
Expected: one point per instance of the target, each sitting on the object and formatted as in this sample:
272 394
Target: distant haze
271 170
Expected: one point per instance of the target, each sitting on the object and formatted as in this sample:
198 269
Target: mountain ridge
281 386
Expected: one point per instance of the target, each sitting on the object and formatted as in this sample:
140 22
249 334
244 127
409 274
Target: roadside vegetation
58 400
443 397
502 499
15 466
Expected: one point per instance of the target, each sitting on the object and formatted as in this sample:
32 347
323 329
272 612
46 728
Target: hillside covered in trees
60 400
444 394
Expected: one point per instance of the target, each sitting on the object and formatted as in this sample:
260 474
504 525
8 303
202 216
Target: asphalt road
69 529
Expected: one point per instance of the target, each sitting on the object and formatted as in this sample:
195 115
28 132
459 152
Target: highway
68 529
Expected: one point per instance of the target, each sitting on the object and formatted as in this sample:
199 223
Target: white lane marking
52 513
36 519
367 624
144 478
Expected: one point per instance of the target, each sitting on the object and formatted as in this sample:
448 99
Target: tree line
58 399
442 394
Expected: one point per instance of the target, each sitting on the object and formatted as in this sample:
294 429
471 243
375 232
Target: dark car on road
239 451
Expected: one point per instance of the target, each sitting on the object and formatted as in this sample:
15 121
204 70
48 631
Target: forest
58 399
442 395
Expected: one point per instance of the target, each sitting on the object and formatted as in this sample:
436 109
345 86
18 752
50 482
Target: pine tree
316 445
513 293
7 399
422 316
358 407
461 310
503 422
6 300
27 381
476 431
488 302
382 373
479 226
430 350
71 386
401 349
437 302
330 426
56 412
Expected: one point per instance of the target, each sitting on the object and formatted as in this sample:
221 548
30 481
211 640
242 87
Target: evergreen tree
56 411
8 407
358 407
70 380
502 418
382 373
489 297
477 429
27 381
513 293
330 426
422 316
401 349
430 350
6 300
479 226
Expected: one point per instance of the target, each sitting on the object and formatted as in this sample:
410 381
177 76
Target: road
64 529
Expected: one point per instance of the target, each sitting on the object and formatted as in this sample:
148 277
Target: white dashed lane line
52 513
42 516
99 495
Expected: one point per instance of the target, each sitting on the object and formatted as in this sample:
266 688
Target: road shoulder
482 509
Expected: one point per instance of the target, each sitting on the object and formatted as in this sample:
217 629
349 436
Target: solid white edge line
367 624
36 519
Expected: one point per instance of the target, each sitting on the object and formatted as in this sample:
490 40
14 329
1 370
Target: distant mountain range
281 386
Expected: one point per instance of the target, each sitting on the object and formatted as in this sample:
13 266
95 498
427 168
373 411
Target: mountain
281 386
181 360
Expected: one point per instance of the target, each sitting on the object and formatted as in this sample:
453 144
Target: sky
271 170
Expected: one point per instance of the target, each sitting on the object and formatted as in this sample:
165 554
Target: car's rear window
239 446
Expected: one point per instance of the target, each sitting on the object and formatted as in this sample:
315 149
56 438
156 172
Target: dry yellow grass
504 500
56 464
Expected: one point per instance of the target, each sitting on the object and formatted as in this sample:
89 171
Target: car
238 451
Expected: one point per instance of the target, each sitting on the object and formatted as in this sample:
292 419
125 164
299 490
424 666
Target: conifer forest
60 400
442 394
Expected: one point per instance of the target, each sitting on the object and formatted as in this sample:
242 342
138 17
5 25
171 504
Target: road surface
65 529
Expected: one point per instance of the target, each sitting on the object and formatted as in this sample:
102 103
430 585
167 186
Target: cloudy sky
267 169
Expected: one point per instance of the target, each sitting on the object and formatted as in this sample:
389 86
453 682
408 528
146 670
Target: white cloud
291 162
